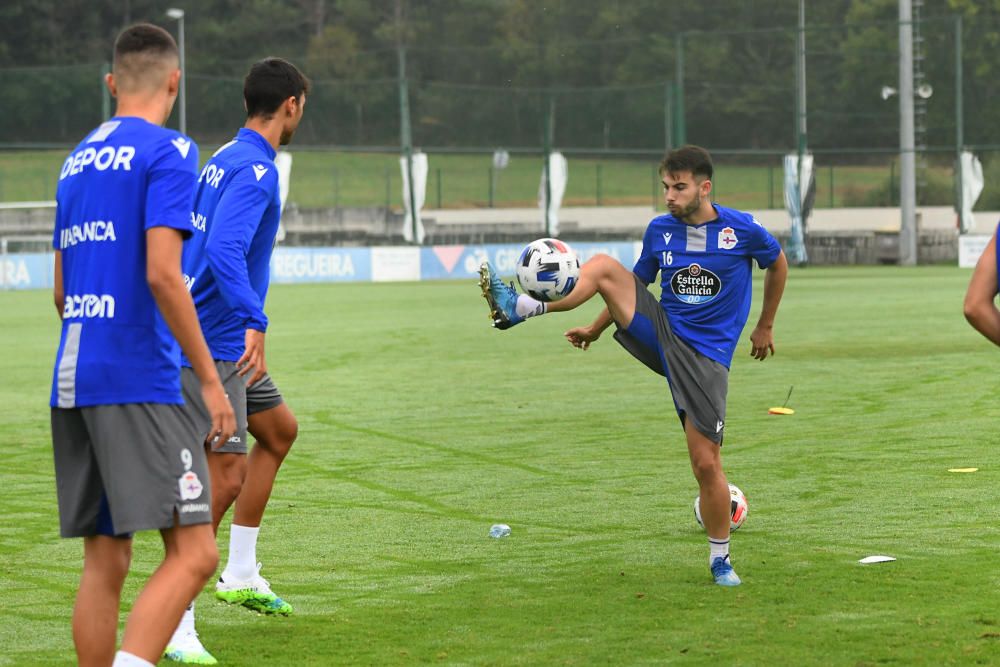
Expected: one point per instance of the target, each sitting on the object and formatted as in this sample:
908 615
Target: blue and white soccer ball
548 269
738 503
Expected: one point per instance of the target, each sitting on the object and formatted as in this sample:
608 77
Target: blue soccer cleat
723 572
502 298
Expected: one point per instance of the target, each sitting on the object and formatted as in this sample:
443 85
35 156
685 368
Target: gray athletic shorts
263 395
698 384
124 468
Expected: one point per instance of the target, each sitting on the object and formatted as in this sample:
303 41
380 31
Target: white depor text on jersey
211 175
107 157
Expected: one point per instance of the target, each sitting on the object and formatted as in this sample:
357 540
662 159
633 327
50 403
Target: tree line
604 75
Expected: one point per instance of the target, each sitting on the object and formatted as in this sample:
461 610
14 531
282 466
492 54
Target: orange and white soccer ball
738 503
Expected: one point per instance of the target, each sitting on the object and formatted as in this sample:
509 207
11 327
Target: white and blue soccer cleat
723 572
502 298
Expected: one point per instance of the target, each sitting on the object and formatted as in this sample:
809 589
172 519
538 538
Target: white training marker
867 560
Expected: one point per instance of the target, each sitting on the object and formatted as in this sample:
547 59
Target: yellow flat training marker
781 411
962 469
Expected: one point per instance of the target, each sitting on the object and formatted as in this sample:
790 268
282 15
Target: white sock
123 659
242 563
186 625
717 549
187 620
529 307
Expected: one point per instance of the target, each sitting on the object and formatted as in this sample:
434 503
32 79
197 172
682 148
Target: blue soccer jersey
705 274
227 260
127 176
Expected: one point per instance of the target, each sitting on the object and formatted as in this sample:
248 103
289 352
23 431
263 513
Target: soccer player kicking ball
127 456
704 255
227 267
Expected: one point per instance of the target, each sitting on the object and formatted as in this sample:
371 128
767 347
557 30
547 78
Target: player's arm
58 292
646 268
980 306
236 218
582 337
166 282
762 337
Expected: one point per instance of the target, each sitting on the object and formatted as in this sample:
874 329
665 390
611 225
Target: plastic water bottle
499 530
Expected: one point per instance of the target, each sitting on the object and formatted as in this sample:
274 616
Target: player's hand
761 342
221 412
253 357
581 337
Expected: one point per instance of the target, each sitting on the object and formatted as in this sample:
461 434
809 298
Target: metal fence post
598 183
831 186
770 186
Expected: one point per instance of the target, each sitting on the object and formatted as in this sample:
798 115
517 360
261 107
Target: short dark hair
694 159
269 83
141 51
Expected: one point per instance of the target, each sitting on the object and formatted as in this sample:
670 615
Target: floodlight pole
406 138
959 127
547 139
680 136
405 133
802 142
178 15
907 151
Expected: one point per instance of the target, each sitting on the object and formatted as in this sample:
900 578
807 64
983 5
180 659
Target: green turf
421 426
322 179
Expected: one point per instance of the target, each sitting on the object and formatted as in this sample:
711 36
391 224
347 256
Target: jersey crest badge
727 238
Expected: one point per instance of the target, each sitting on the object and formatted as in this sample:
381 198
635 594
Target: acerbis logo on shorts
693 284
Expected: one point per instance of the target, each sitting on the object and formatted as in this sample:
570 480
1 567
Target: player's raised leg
275 430
706 462
601 274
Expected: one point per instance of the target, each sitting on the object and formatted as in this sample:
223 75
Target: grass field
328 179
421 426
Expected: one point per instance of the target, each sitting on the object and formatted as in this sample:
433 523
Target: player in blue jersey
980 299
227 267
127 456
704 254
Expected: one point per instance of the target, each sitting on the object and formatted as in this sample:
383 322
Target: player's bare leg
275 431
227 471
713 489
601 274
190 559
95 615
604 275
